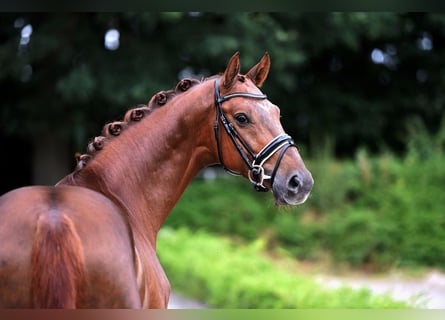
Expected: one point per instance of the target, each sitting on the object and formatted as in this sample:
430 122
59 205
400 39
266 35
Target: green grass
225 275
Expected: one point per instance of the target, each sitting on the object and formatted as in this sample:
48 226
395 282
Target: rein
256 172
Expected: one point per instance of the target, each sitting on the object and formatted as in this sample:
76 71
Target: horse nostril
294 183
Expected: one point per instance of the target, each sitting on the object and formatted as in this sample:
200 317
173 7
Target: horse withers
90 241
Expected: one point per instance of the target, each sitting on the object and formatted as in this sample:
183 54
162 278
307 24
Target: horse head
255 144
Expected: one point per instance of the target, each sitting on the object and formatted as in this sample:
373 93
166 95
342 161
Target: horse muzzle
293 188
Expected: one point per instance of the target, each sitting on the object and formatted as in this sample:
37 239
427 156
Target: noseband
256 171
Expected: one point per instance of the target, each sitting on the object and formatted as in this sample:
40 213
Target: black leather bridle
253 161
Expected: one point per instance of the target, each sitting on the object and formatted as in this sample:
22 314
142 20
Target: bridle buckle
257 177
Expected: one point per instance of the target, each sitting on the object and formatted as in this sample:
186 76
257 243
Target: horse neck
147 168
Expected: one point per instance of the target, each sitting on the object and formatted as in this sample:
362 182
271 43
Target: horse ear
259 72
231 72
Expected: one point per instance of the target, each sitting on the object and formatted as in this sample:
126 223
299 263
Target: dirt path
425 292
178 301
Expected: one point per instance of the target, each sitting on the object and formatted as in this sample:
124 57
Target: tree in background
355 78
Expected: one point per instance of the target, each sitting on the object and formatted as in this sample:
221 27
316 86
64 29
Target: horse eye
241 118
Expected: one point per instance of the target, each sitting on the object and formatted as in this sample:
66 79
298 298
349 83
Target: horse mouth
290 200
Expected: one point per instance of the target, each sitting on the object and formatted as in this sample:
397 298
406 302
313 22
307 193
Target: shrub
227 205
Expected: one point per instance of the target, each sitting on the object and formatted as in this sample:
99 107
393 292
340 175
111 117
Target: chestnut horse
90 241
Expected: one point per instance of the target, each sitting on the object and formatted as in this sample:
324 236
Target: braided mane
134 115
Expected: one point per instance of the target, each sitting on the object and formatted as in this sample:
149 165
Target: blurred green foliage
375 212
356 77
225 275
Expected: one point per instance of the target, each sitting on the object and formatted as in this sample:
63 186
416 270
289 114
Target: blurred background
361 93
